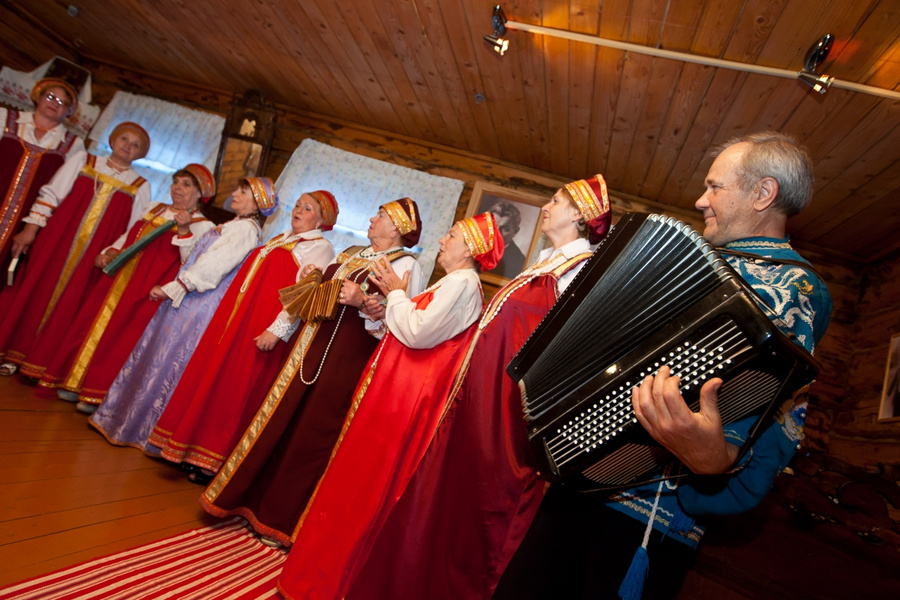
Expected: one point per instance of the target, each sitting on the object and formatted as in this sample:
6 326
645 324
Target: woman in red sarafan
477 489
396 407
87 205
244 345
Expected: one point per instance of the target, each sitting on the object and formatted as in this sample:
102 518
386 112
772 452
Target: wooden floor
67 496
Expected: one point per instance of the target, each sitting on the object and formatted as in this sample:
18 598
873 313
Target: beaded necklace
342 272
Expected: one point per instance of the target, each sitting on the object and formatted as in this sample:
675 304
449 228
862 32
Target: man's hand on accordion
696 439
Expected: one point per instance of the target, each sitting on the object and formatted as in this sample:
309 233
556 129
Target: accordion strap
781 261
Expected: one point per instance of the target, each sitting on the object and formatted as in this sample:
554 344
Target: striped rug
222 562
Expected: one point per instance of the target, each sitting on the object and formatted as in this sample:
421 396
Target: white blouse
237 239
376 327
456 304
569 250
59 186
51 139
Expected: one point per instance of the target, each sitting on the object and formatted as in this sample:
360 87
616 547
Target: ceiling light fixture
496 41
696 59
815 56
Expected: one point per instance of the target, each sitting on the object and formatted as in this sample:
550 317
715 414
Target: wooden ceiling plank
719 96
645 24
832 134
305 78
143 38
629 106
838 181
440 44
690 89
753 29
780 105
428 48
18 47
464 51
681 24
691 80
175 48
748 102
886 72
858 58
716 26
609 87
584 18
198 50
872 234
527 54
650 125
404 32
504 95
557 84
804 22
607 82
369 51
326 33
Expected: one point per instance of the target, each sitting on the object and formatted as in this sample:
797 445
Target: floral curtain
361 184
178 136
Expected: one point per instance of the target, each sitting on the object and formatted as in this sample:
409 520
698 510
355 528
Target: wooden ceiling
421 69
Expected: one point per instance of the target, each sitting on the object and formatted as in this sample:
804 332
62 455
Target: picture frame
890 393
526 238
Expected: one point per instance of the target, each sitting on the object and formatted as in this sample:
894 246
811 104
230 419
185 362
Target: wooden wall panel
857 435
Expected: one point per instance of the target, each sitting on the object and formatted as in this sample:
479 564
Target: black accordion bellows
654 293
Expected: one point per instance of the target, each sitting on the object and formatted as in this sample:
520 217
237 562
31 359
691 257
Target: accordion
653 293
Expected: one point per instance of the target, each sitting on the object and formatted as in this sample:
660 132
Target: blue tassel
681 523
633 585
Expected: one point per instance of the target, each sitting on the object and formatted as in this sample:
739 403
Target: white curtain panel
178 136
362 184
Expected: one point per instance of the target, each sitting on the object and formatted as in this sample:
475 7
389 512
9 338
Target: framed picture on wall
890 393
519 219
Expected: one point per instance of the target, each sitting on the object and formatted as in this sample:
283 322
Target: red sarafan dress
397 407
61 272
274 469
118 309
477 489
227 377
24 168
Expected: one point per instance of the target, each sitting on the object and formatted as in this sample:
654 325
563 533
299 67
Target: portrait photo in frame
518 217
890 393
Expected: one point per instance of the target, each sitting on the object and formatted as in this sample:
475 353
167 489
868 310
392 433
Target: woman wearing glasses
33 147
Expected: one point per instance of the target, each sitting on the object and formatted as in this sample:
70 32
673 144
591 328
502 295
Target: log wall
857 435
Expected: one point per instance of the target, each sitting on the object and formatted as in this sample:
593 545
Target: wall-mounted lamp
496 41
816 55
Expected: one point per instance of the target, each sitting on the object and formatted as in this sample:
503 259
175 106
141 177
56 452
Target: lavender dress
141 390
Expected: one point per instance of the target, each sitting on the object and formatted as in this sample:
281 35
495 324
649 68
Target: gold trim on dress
75 378
92 217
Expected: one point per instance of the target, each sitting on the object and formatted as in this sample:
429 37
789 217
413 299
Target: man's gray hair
776 155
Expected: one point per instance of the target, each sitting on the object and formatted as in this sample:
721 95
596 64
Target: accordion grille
666 268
